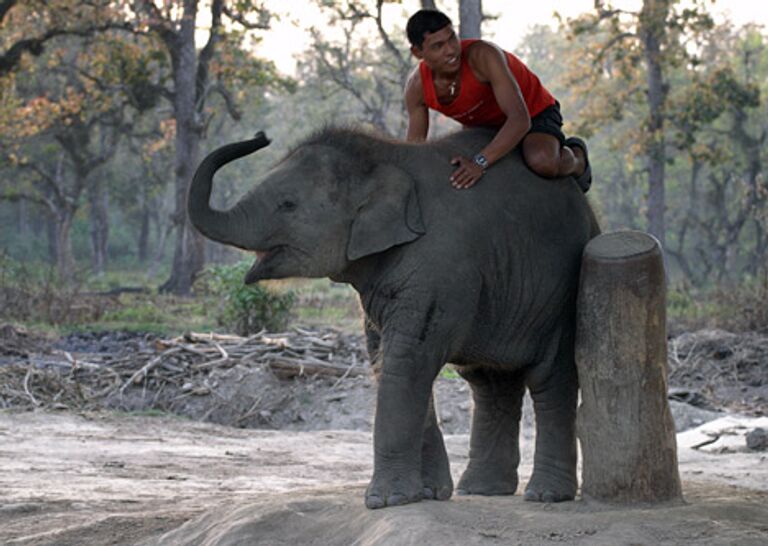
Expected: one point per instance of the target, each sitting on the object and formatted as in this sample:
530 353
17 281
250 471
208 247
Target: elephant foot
436 480
393 491
488 479
546 487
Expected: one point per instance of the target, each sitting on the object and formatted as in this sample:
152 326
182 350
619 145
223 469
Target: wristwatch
481 160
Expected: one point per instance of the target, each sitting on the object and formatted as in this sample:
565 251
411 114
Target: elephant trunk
229 227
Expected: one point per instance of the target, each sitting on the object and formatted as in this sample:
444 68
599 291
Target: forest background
107 107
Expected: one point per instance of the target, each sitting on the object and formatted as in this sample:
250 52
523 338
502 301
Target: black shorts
549 121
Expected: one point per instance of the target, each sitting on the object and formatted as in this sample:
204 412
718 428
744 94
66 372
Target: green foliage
148 311
449 372
33 294
138 316
320 302
247 308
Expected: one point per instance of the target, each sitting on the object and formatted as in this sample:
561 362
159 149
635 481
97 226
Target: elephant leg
494 450
554 390
435 468
402 407
373 345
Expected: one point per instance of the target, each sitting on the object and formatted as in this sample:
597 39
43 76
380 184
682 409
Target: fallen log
286 368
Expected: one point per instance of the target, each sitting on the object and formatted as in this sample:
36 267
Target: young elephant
485 278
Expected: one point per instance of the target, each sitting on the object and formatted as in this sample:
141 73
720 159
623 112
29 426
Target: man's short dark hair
425 21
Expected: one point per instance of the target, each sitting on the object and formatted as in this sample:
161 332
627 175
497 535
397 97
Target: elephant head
333 200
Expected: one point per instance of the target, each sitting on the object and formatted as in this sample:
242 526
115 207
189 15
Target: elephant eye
287 206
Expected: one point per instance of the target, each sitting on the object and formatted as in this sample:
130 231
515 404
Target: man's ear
389 215
416 52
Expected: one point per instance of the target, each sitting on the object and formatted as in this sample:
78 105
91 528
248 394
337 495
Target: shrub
246 309
35 293
738 308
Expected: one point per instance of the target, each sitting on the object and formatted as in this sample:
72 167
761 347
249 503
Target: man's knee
542 161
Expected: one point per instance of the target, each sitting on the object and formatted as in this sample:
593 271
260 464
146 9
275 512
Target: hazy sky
289 36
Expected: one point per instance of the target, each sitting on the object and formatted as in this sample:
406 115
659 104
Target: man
478 84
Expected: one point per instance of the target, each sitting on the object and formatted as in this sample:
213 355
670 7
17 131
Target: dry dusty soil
104 478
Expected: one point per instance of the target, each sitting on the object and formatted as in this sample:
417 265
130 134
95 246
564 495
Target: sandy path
120 479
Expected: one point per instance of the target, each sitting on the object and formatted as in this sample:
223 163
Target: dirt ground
263 460
111 479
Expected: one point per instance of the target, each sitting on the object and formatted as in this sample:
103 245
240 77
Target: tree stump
625 427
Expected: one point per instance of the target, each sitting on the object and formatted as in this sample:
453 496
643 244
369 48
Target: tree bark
22 218
470 18
50 232
188 257
190 80
624 424
653 19
428 4
142 244
65 260
98 198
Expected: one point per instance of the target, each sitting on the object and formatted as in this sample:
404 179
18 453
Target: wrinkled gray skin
485 278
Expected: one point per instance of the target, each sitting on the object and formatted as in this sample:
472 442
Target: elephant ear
389 216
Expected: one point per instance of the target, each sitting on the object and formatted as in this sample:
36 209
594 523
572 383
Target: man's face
441 50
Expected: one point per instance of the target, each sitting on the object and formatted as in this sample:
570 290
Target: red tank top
476 104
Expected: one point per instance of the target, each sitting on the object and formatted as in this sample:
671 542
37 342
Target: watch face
480 160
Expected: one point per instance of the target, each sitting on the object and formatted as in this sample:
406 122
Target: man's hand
467 174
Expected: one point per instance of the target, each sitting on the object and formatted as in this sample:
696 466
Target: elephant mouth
263 258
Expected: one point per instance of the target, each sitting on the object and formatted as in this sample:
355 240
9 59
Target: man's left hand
467 173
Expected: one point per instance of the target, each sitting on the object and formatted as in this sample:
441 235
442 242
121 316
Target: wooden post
624 424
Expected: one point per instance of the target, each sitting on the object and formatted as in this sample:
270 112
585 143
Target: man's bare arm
490 65
418 114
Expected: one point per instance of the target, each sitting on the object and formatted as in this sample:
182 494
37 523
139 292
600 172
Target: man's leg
545 156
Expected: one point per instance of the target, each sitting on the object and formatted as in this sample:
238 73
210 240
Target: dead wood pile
61 379
715 369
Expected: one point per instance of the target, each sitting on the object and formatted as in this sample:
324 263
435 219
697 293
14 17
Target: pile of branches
713 365
66 380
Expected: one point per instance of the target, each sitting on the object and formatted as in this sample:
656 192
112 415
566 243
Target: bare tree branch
23 196
229 100
206 54
5 6
158 23
35 46
261 24
404 65
48 182
610 43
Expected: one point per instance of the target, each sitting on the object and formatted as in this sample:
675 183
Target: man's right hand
467 174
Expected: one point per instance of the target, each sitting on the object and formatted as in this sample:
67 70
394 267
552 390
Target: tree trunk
142 244
22 218
65 260
652 27
470 18
50 231
162 239
624 424
428 4
188 257
98 200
